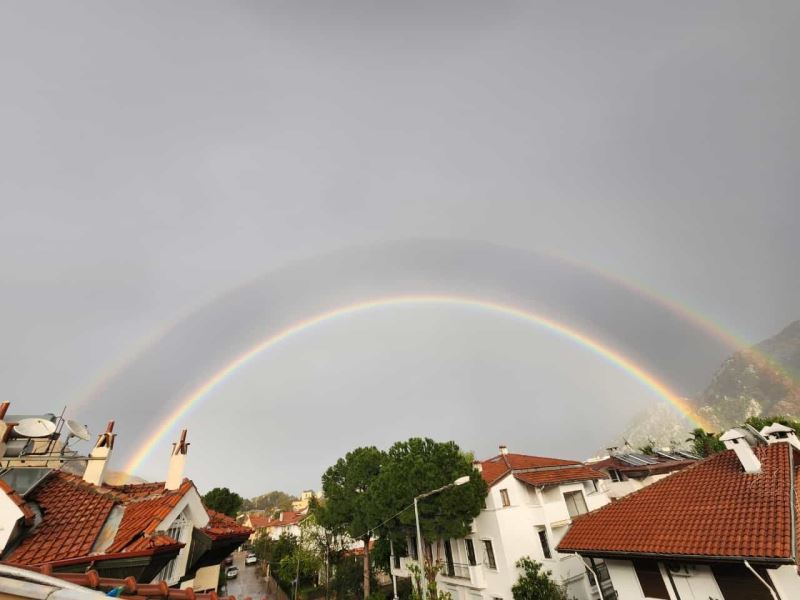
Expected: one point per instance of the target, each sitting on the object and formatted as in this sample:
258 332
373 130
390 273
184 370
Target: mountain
762 380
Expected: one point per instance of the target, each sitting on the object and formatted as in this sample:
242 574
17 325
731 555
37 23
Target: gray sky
182 179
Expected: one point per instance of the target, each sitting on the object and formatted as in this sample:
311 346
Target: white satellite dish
34 428
77 430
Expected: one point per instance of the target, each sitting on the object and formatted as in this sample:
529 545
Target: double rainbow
614 357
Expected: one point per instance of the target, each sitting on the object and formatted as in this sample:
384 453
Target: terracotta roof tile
560 475
223 526
712 508
537 470
73 515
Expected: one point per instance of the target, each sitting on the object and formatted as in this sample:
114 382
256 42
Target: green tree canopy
349 498
420 465
760 422
534 583
223 500
705 443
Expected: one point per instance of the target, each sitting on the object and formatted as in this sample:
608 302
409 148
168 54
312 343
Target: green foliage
760 422
649 448
534 583
417 466
223 500
432 589
271 501
705 443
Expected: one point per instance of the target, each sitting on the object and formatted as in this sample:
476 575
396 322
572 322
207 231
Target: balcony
455 571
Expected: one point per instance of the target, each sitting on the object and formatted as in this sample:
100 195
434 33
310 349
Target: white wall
513 531
10 514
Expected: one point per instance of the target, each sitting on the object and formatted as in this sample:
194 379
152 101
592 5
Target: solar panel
25 479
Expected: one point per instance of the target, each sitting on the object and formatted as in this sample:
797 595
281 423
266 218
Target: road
248 583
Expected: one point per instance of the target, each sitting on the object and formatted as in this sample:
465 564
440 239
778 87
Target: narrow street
248 582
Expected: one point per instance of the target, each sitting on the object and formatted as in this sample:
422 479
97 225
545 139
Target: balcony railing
457 570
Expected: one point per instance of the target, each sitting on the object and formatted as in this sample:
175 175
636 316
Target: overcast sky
181 179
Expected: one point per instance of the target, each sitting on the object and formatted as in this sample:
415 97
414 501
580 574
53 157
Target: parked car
250 559
232 572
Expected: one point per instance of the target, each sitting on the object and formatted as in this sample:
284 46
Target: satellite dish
35 428
77 430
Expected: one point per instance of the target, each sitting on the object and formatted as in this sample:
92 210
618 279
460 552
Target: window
600 569
616 475
576 503
737 583
545 544
175 531
470 552
412 548
650 579
590 486
504 498
487 546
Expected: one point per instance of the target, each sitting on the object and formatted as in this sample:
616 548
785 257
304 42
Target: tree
271 501
223 500
705 443
534 583
420 465
760 422
349 503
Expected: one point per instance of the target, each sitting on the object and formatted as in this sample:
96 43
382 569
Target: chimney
177 461
5 428
96 467
504 450
780 433
736 440
478 465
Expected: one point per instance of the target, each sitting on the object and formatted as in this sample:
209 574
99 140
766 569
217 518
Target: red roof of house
259 521
222 526
289 517
712 508
661 465
536 470
74 514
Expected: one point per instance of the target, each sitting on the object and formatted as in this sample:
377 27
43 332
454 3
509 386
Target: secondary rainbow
217 379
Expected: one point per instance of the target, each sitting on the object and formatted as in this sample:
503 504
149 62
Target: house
724 528
301 505
530 504
288 521
258 522
55 519
630 471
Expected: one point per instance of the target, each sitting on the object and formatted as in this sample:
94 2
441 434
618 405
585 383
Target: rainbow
217 379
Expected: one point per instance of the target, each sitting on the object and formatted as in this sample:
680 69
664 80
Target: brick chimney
504 450
177 462
96 468
736 440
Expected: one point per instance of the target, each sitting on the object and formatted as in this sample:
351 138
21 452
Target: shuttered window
650 579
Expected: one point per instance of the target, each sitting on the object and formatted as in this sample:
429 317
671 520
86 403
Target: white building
722 529
530 505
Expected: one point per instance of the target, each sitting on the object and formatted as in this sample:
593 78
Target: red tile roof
74 513
222 526
662 465
536 470
286 518
142 517
559 475
259 521
712 508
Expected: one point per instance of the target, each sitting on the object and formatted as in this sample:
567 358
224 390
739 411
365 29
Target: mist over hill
760 381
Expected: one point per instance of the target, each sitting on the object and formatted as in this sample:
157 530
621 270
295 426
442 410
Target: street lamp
459 481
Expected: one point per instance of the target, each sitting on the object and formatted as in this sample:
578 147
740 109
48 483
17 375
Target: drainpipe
761 579
596 578
392 569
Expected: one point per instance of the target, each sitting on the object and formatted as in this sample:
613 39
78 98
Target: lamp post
459 481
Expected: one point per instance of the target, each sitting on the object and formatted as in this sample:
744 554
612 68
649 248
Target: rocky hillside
763 380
